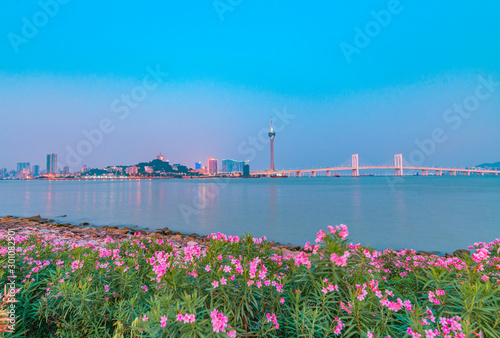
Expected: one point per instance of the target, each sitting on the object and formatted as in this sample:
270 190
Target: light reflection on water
428 213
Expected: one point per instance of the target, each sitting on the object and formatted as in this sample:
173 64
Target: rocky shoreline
86 234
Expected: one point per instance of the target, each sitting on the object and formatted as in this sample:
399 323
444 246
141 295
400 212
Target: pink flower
186 318
412 333
332 287
215 284
145 318
163 321
106 287
370 335
219 321
282 300
232 334
61 280
481 255
272 318
223 281
343 231
339 327
431 334
77 264
432 299
189 318
346 309
320 236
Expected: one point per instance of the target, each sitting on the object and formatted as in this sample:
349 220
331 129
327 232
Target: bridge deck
300 171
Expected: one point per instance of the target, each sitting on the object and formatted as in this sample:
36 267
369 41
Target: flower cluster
232 284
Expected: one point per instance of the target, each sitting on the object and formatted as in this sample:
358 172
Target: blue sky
226 78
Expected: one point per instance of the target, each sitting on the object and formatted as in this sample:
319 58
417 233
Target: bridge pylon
355 165
398 163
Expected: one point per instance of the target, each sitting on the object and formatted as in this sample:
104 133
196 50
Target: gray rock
176 238
425 253
461 252
288 252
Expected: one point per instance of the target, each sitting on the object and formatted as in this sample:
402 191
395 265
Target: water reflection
272 200
49 197
289 210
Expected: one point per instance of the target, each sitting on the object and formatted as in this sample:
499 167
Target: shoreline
85 233
88 234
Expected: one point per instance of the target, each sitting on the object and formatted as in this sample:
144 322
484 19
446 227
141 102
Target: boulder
288 252
176 238
192 243
194 235
36 218
461 252
425 253
118 231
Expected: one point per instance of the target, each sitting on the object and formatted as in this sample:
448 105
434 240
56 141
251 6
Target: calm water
427 213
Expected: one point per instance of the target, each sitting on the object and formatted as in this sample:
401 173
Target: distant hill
494 166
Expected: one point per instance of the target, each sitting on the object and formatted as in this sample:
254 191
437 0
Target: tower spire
272 134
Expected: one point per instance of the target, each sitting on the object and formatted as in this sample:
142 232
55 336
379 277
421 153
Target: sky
116 82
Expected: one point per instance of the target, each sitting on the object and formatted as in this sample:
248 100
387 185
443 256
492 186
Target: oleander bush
241 286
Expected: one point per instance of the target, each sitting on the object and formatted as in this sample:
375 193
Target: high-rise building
211 166
226 165
272 134
22 165
52 163
231 166
36 170
65 171
197 165
3 172
246 170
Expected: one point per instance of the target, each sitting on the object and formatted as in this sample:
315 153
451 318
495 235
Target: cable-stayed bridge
399 169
